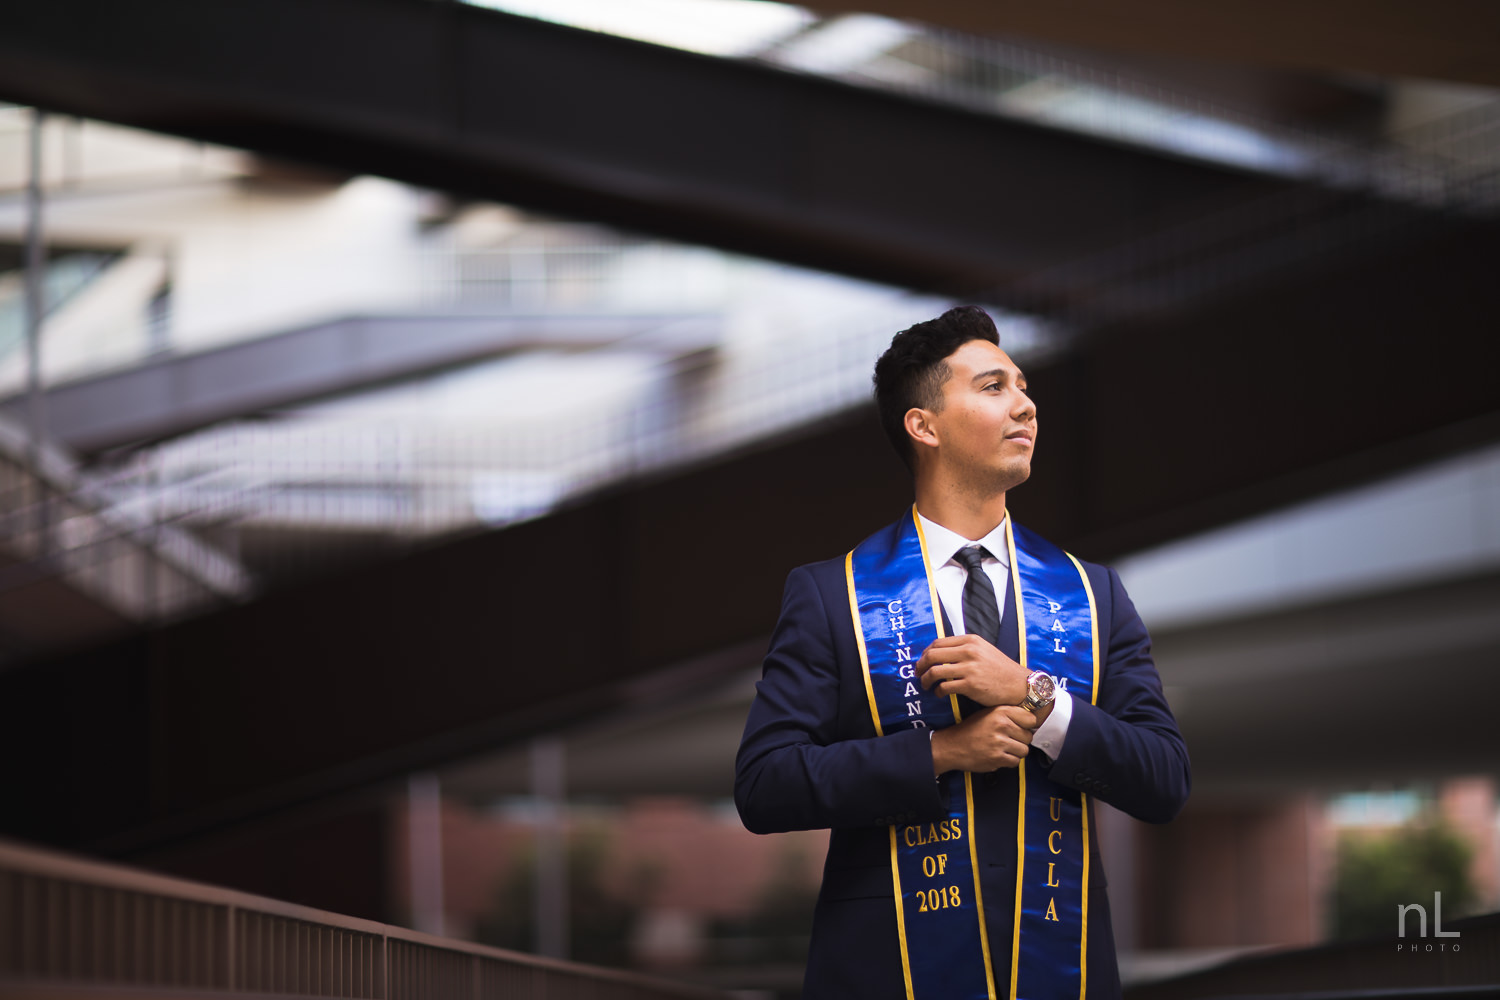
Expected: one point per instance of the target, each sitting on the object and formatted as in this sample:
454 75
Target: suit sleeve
795 771
1127 750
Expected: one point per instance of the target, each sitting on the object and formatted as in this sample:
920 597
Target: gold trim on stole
864 662
859 639
1015 591
1083 944
1083 940
937 619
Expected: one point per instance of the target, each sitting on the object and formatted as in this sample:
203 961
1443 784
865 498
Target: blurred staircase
75 569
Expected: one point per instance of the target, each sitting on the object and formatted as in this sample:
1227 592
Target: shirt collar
943 543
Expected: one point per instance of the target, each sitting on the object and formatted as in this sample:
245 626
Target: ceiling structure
1442 40
725 152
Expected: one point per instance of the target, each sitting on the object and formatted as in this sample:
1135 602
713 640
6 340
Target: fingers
948 649
952 652
989 740
1014 730
932 657
987 681
957 678
1005 754
1008 740
1018 715
938 673
1009 761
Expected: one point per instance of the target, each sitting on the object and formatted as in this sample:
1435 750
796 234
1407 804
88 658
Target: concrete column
548 769
36 306
424 812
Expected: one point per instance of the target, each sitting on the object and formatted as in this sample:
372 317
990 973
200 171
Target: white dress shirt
951 575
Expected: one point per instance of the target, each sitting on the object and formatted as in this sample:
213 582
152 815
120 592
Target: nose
1025 409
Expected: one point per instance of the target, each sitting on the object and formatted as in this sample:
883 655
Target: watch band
1030 702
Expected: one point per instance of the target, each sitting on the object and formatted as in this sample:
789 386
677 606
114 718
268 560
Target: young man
956 764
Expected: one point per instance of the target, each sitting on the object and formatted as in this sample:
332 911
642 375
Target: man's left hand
970 666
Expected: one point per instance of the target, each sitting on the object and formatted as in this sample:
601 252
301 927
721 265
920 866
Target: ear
920 425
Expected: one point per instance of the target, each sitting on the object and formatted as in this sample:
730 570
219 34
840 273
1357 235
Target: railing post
230 982
424 824
36 402
551 900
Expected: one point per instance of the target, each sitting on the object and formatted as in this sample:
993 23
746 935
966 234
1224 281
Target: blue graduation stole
940 921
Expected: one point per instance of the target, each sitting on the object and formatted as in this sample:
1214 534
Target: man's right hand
988 740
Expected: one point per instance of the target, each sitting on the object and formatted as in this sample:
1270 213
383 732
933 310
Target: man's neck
969 514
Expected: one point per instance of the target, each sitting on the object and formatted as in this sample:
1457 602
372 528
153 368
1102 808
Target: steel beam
1441 40
175 394
719 151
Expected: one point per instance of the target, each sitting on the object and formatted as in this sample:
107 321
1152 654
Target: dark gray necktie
981 610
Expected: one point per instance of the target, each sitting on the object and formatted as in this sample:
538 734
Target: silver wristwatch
1041 688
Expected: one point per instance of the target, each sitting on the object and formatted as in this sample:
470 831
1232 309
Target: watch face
1041 686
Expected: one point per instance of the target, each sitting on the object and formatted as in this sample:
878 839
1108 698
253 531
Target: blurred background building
383 385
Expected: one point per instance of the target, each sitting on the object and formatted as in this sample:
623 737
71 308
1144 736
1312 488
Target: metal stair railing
99 928
55 523
1162 271
1348 194
726 406
1230 247
1466 964
992 76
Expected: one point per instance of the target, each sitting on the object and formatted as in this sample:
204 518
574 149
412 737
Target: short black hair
913 369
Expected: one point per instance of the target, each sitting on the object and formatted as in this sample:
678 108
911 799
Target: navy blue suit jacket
810 759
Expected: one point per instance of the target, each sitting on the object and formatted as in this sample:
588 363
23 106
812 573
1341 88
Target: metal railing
1357 192
1467 964
415 481
551 269
66 921
1421 164
409 482
1230 248
406 482
55 525
537 267
548 270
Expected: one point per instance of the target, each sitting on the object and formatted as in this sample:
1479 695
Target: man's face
986 428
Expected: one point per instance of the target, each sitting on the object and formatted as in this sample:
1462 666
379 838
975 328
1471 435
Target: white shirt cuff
1049 736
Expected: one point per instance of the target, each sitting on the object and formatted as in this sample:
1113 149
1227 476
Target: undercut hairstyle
913 369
